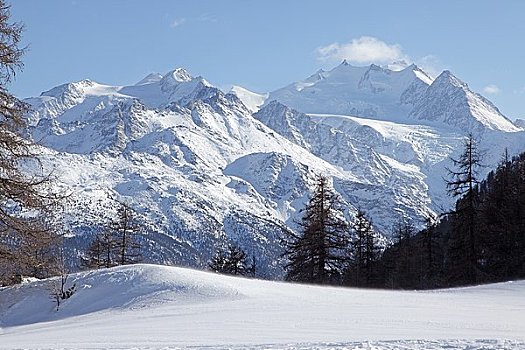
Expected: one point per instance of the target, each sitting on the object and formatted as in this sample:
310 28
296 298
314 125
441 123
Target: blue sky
264 45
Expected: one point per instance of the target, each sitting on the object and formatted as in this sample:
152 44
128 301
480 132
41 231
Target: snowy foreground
155 307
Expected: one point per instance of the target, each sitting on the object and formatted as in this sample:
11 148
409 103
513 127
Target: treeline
481 241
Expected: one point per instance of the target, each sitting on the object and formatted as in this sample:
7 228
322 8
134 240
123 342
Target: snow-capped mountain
252 100
370 92
449 101
187 156
407 96
201 168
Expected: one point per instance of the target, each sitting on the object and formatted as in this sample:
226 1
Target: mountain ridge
202 169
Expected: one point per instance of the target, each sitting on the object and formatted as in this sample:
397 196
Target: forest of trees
481 241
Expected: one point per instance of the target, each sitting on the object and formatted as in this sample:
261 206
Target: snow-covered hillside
369 92
154 307
406 96
252 100
202 169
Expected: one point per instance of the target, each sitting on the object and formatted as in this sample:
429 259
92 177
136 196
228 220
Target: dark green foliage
462 260
441 255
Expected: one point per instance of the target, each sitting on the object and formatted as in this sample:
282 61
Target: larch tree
318 254
101 252
25 198
126 230
365 251
461 184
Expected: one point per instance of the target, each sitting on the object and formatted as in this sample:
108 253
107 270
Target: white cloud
364 50
178 22
491 89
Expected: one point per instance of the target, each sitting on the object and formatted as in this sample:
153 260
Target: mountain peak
448 78
450 101
75 87
252 100
176 76
398 65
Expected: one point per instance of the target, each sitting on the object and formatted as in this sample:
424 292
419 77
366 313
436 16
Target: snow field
156 307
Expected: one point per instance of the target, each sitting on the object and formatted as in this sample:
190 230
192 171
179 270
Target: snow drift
153 307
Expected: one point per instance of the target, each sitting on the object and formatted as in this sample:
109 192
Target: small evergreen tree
231 261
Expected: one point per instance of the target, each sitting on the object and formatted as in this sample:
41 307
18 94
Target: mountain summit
400 96
449 101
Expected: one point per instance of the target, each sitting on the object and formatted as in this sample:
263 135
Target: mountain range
203 167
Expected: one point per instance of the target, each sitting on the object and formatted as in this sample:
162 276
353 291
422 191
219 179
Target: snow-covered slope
370 92
391 182
193 161
449 101
252 100
403 164
154 307
202 170
401 96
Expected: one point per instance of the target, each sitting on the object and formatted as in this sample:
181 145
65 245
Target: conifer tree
102 252
462 257
25 233
365 252
318 254
125 230
231 261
